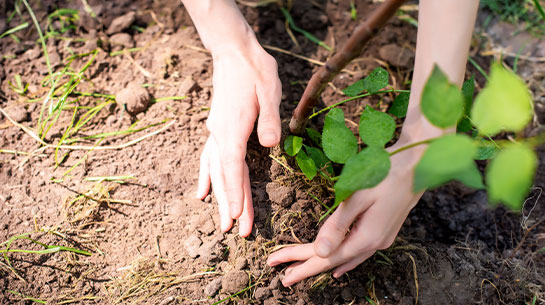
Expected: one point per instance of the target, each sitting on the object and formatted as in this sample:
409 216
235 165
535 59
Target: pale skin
246 84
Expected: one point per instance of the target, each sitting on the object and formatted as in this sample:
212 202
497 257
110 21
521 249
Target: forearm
221 26
444 35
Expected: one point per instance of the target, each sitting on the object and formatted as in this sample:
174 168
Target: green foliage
376 127
448 158
372 83
505 104
338 141
306 164
320 159
509 176
486 150
314 136
364 170
293 144
516 11
400 105
442 103
468 89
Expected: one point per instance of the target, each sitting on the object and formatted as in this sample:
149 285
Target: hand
245 84
372 218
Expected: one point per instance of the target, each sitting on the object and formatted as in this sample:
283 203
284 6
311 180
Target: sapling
503 105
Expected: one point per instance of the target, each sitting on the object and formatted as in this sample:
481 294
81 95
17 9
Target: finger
204 173
226 222
351 264
333 232
291 253
300 271
268 125
247 217
232 160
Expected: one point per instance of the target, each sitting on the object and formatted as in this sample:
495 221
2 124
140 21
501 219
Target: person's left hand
372 218
246 88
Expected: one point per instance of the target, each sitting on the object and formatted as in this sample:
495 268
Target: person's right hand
246 85
366 222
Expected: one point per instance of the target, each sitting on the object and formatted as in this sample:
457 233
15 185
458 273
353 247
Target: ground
151 242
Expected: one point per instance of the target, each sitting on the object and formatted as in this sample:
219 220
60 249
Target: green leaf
364 170
306 164
464 125
448 158
338 141
400 105
320 159
376 127
377 80
372 83
509 176
292 145
314 136
486 150
504 103
468 88
442 102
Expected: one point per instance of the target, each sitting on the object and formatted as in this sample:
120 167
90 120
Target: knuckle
338 227
266 120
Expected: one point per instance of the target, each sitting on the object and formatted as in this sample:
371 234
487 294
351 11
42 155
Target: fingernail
242 228
224 227
323 247
268 137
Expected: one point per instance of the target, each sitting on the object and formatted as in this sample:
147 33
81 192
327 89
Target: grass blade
21 26
308 35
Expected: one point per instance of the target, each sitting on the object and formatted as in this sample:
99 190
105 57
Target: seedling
18 87
504 105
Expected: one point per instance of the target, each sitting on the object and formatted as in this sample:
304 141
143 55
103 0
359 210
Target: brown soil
153 243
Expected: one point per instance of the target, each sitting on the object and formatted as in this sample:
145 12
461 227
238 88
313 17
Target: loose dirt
153 243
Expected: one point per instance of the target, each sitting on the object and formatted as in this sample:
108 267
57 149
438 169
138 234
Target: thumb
268 125
333 231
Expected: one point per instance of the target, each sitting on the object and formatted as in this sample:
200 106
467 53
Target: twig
362 34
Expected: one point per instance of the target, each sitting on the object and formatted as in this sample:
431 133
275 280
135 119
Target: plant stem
355 98
352 49
411 146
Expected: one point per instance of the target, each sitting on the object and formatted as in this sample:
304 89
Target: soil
153 243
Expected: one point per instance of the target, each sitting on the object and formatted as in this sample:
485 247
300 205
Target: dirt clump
18 113
121 23
122 40
135 97
397 56
234 281
280 194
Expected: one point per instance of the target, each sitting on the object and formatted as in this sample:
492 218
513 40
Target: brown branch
352 49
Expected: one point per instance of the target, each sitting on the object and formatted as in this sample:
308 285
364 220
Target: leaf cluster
503 105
